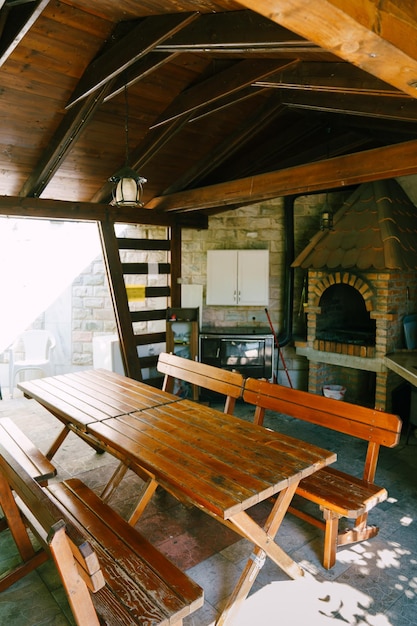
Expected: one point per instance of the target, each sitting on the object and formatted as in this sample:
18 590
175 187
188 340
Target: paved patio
373 583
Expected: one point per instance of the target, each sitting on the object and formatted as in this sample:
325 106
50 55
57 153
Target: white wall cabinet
238 277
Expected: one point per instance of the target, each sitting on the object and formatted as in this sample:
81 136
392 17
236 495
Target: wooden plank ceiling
227 102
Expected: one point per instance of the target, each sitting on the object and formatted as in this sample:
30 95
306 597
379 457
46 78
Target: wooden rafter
382 107
331 78
139 42
377 37
377 164
72 125
219 86
241 33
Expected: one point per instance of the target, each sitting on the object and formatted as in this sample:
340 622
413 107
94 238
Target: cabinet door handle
234 295
218 352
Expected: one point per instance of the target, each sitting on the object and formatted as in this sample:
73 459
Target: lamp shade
326 220
128 190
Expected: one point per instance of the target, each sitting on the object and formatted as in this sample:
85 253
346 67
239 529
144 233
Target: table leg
263 538
146 494
57 443
114 481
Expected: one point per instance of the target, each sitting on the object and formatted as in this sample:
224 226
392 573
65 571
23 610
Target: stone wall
260 226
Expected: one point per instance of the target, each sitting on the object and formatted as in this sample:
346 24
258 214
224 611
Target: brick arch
345 278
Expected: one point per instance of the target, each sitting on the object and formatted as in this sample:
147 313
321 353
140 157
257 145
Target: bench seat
110 572
346 495
149 588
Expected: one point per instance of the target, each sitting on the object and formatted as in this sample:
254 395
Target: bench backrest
224 382
376 427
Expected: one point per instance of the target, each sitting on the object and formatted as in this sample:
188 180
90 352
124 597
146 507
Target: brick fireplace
362 281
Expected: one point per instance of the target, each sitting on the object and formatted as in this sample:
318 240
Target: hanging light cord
127 125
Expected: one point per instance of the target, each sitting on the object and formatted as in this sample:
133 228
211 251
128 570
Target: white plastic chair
37 347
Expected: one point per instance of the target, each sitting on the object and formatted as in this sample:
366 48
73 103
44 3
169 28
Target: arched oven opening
344 318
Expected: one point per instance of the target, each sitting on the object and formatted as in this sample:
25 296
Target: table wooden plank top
404 363
84 397
219 462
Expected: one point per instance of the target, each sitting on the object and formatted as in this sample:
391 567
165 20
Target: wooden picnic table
215 461
80 398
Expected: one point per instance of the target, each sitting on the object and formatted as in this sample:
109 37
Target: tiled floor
373 583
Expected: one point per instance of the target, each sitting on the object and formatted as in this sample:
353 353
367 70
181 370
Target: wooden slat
376 164
227 383
93 399
61 409
147 316
33 461
352 500
212 447
147 585
369 424
150 338
129 243
84 397
143 268
137 395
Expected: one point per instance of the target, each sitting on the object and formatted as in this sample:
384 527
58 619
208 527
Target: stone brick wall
255 227
92 312
259 226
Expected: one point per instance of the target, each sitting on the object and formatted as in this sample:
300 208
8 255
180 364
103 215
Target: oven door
247 356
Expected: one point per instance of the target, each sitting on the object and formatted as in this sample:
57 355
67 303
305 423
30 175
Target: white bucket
337 392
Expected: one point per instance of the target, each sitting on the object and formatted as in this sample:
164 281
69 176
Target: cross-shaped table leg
263 538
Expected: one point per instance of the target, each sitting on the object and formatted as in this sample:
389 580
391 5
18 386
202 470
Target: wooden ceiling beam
238 32
139 70
72 125
221 85
398 109
41 208
122 55
369 165
331 78
379 37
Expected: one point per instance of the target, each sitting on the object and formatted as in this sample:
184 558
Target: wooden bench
338 494
33 461
224 382
110 573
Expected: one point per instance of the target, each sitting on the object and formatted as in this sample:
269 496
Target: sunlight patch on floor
308 601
